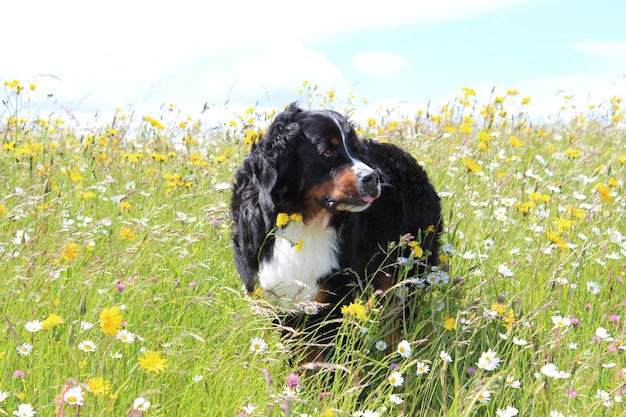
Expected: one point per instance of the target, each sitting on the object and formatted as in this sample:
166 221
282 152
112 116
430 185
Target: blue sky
397 53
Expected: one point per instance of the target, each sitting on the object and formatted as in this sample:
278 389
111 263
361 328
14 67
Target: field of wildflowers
119 295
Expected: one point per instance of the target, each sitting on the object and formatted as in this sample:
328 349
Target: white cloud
380 64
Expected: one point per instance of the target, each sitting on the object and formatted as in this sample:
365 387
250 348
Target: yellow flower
127 233
98 385
535 196
573 153
515 142
605 193
449 322
417 249
152 362
564 224
354 309
70 251
525 100
154 122
509 319
556 239
51 321
498 307
125 205
329 413
282 219
111 320
622 159
471 165
296 217
298 245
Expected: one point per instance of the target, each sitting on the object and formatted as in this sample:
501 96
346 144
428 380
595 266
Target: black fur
291 159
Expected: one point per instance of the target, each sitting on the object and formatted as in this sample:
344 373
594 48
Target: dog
342 202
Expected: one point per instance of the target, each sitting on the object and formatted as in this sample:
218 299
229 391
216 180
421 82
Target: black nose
369 180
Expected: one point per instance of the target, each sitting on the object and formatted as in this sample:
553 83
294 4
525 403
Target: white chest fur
293 275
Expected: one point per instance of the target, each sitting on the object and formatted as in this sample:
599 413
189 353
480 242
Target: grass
131 215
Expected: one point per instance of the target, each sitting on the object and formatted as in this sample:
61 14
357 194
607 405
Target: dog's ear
283 127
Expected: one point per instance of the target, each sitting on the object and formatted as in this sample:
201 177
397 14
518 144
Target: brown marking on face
340 189
335 142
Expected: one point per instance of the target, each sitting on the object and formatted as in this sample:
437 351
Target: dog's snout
369 179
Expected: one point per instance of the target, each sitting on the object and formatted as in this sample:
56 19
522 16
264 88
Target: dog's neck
293 275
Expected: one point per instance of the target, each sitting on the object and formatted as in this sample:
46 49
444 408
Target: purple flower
614 318
293 380
500 298
192 284
471 371
268 377
587 306
575 322
120 286
18 374
571 393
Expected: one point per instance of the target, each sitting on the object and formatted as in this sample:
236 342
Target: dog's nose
369 179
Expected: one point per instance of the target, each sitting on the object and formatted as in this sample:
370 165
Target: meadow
119 295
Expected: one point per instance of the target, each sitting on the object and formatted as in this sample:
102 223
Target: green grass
133 213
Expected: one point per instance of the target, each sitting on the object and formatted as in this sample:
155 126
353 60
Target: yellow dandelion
498 307
153 362
51 321
573 153
298 245
622 159
556 239
509 319
154 122
605 193
128 234
98 385
354 309
417 249
296 217
471 165
70 251
449 322
111 320
126 206
515 142
282 219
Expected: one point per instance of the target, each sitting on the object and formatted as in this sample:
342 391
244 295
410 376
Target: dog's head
316 163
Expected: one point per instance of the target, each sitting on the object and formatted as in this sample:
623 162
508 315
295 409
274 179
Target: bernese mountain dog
340 202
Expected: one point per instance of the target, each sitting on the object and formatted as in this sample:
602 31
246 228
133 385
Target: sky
229 55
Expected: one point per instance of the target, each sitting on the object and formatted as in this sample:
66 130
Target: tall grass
132 215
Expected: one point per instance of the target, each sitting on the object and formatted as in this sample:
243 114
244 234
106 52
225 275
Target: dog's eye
328 153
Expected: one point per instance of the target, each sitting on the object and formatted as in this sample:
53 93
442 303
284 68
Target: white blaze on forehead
345 142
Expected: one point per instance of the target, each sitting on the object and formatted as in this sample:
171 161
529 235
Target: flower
422 368
445 356
381 345
34 326
125 336
507 412
560 321
395 399
282 219
24 349
152 362
87 346
74 396
98 385
484 397
51 321
603 334
354 309
293 380
551 371
197 378
111 320
25 410
404 349
511 382
396 379
258 345
593 287
141 404
488 361
3 396
128 234
505 271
